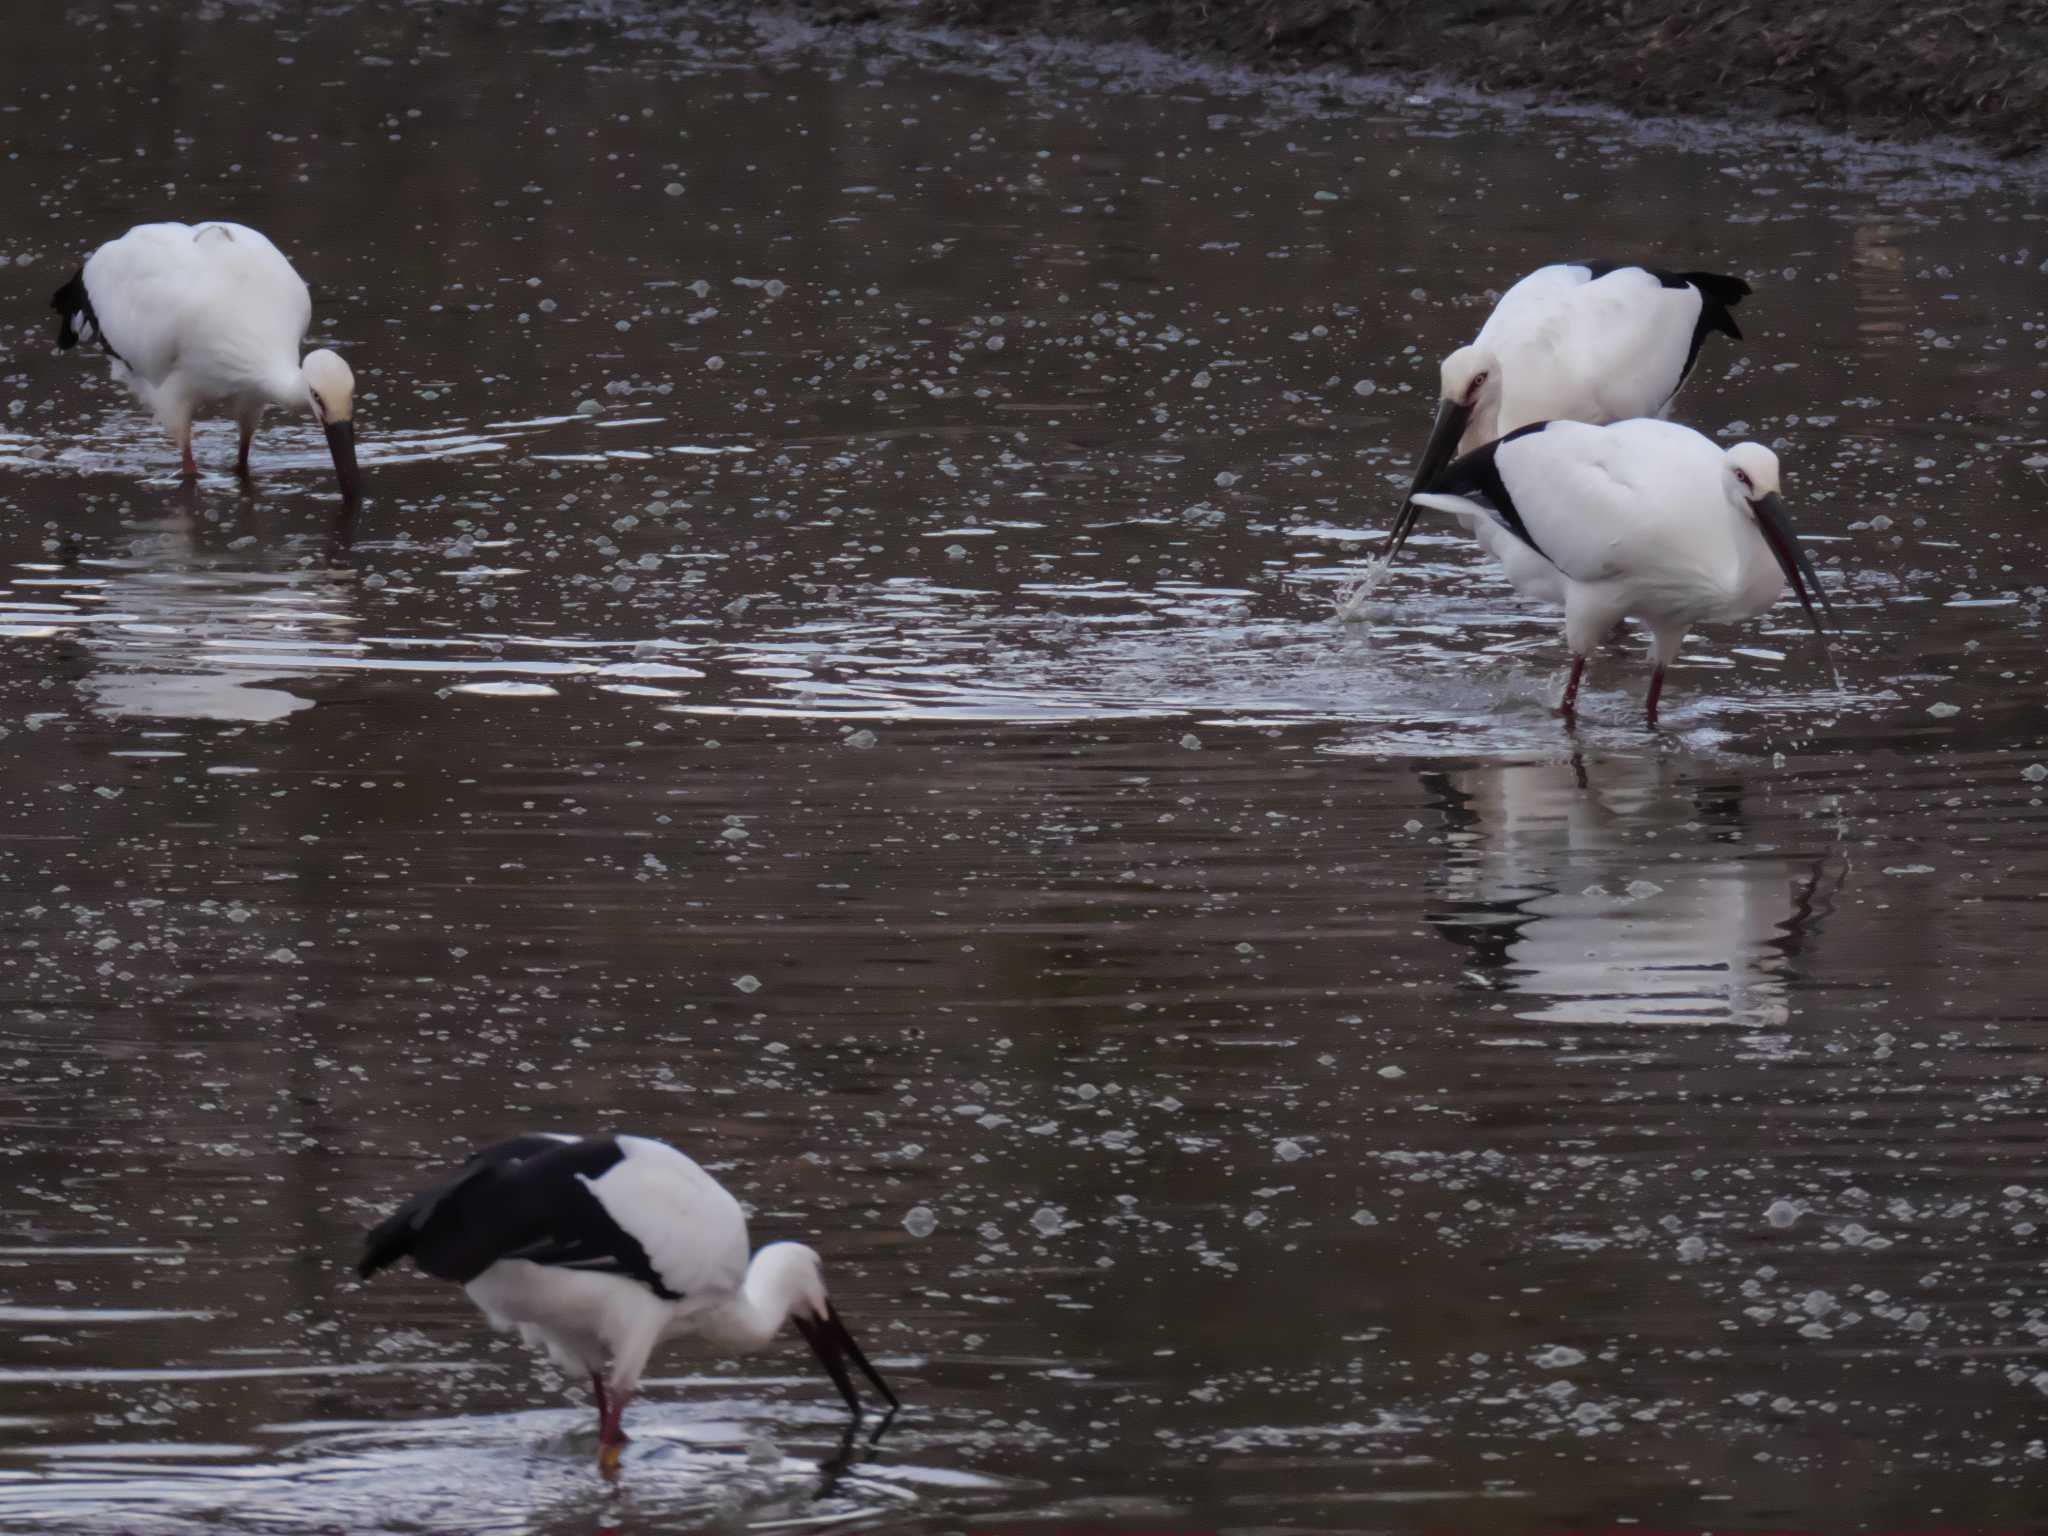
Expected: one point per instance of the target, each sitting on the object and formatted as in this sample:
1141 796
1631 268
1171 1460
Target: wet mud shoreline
1888 70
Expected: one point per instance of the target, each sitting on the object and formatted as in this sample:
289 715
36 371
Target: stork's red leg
1656 688
604 1407
1569 708
242 458
609 1431
610 1436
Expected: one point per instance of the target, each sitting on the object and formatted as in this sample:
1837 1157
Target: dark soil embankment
1882 68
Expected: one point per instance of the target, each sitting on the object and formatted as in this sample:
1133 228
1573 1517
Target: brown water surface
1245 1074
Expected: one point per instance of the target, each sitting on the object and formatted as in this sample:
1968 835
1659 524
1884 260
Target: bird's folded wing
142 287
527 1198
1629 337
692 1230
1602 500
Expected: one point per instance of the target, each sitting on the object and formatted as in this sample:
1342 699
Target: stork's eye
1472 389
1747 483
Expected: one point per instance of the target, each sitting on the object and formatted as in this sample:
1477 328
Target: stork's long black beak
1799 573
834 1346
1452 417
341 442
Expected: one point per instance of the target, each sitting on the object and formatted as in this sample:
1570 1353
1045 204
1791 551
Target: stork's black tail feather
74 305
389 1241
1719 295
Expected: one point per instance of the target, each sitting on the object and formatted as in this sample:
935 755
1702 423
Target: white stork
599 1248
1642 519
210 316
1585 341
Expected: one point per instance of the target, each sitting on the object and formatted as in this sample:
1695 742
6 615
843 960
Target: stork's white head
331 396
1471 379
787 1280
330 387
1750 477
1752 473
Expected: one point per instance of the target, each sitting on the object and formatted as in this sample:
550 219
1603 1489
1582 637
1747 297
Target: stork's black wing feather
1718 295
527 1198
74 305
1477 477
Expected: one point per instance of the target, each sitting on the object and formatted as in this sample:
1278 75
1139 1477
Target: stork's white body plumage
1643 519
597 1249
203 317
1575 341
695 1237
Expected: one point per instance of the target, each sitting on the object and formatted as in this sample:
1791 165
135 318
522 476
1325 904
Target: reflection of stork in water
1557 893
181 622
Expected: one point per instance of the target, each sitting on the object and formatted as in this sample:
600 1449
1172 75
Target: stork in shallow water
599 1248
1587 341
1639 519
210 316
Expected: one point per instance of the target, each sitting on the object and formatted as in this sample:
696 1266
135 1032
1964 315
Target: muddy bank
1886 69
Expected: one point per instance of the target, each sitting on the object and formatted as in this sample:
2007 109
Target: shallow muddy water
1245 1074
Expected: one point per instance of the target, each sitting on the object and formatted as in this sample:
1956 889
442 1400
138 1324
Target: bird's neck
749 1319
1758 579
1484 426
284 386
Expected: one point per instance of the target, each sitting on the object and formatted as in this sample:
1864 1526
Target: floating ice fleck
1048 1221
2034 773
1782 1213
590 408
748 983
1558 1356
919 1221
1289 1152
861 740
1192 742
506 690
1391 1072
1365 1218
1943 711
1692 1249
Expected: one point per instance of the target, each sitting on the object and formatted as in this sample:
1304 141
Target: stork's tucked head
331 393
330 387
1471 378
1751 474
788 1279
1752 471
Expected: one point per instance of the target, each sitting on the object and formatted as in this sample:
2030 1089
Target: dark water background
1331 1096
